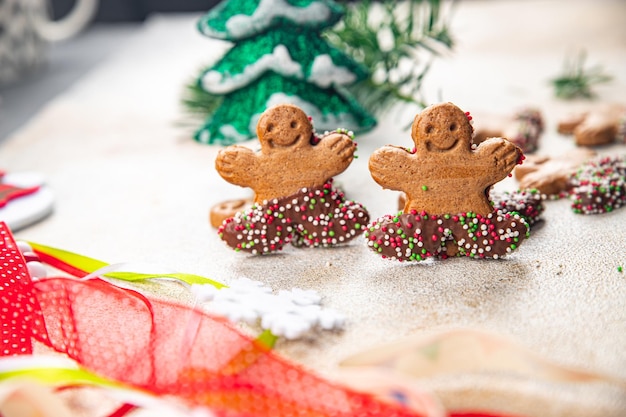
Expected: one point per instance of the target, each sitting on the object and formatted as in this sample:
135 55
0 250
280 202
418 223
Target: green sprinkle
620 269
357 225
424 188
331 233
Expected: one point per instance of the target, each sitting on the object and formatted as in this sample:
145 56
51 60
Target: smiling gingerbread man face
282 127
441 129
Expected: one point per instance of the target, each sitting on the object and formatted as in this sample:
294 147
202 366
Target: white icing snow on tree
278 56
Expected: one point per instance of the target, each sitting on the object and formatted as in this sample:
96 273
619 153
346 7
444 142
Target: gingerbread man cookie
600 126
446 181
550 175
292 180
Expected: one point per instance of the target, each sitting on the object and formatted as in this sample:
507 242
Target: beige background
132 186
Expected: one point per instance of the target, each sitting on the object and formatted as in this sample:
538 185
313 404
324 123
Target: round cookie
226 210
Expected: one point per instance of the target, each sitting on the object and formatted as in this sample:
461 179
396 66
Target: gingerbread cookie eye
453 127
429 129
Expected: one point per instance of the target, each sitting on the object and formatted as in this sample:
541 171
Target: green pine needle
397 41
198 101
577 81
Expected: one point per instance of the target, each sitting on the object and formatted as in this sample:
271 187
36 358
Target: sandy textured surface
131 186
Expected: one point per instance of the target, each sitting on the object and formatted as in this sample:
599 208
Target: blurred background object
135 10
64 62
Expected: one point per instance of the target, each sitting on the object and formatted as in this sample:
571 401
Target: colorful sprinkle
529 126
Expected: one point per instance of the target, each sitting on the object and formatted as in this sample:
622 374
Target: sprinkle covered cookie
524 128
446 181
599 186
291 176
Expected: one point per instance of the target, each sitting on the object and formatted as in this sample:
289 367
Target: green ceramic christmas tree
278 56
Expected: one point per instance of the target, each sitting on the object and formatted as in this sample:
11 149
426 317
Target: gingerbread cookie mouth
284 144
434 147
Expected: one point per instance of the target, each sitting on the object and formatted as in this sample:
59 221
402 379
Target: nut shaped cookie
601 125
550 175
291 177
446 181
289 159
444 174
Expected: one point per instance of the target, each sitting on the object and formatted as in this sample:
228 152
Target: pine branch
576 81
198 101
397 41
416 32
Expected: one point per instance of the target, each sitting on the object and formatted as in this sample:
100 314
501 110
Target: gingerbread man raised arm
289 159
446 180
292 180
